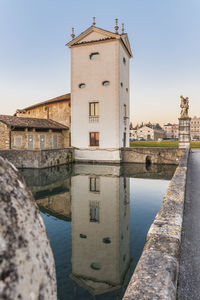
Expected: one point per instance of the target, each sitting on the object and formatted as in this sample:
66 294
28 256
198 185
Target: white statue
184 107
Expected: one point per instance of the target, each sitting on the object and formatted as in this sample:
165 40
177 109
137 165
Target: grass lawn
170 144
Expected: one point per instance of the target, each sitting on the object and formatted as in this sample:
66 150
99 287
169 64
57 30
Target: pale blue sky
165 40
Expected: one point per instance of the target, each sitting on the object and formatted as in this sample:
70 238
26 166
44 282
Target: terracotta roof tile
93 41
30 122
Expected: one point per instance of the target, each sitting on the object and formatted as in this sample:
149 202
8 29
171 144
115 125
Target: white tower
99 93
100 228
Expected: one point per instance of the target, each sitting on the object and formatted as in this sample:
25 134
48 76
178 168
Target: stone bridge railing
156 274
27 268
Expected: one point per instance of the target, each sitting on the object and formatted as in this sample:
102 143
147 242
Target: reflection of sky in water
145 201
124 223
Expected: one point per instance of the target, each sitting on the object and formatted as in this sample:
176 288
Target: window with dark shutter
94 138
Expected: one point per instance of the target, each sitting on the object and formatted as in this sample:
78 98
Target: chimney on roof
73 35
122 28
116 26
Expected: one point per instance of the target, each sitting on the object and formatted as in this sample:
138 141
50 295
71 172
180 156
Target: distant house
57 109
171 130
195 128
148 133
32 133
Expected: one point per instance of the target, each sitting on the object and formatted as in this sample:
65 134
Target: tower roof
101 35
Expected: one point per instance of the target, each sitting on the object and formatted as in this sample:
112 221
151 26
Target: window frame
96 55
82 85
94 103
18 137
125 110
95 139
94 211
55 138
106 83
94 184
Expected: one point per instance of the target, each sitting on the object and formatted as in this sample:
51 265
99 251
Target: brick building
57 109
32 133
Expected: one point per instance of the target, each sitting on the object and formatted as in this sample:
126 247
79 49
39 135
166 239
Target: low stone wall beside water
27 268
154 155
156 274
38 158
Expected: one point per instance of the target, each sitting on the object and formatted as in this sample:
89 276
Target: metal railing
93 119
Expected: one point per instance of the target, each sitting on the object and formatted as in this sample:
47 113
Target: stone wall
156 274
27 268
38 158
4 136
155 154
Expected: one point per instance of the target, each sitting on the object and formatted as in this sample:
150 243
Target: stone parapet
27 266
156 274
156 155
38 158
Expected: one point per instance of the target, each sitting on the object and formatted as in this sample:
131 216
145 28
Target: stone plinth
184 133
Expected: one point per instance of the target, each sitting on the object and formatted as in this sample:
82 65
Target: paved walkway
189 276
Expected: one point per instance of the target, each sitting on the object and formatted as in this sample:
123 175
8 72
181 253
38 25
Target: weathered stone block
26 261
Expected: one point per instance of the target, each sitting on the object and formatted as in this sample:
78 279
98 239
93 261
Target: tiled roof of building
13 121
108 35
93 41
65 97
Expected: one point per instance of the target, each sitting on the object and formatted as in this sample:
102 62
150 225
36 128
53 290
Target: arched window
95 266
106 83
124 60
121 84
83 236
94 55
82 85
106 240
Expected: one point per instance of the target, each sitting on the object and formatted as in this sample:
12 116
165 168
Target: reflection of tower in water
100 228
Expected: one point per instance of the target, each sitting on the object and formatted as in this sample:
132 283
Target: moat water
97 218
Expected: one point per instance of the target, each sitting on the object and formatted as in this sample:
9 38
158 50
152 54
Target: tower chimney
73 35
116 26
122 28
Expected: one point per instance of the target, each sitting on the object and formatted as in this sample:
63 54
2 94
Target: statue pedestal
184 133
